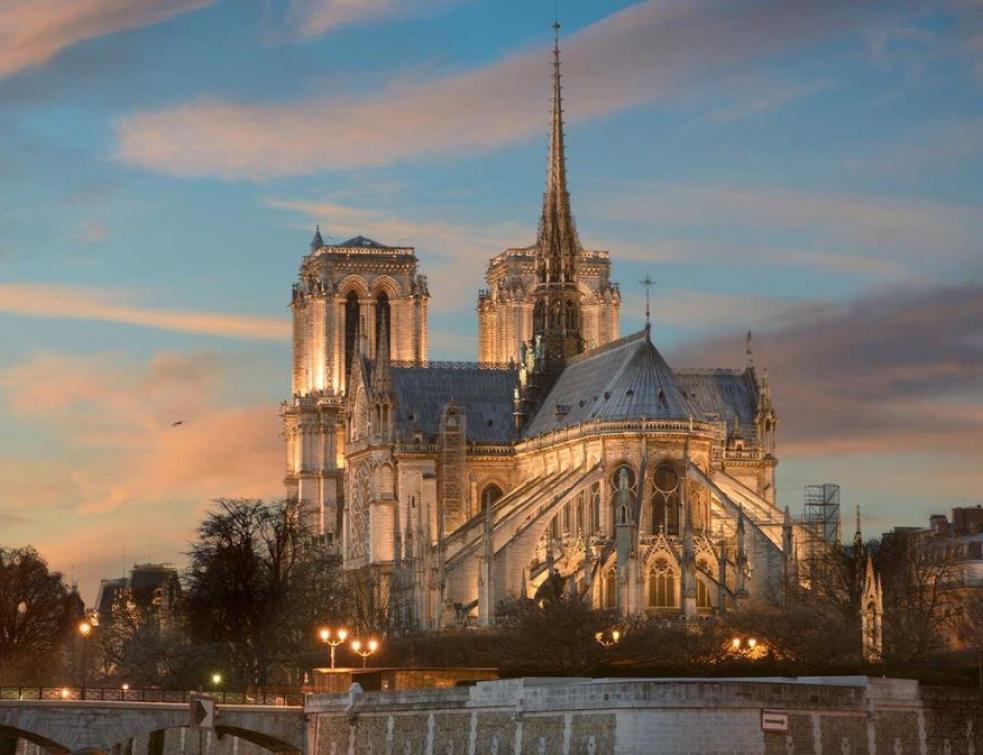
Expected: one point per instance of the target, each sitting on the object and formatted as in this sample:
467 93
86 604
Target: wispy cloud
77 303
758 97
890 373
34 31
650 50
311 18
850 232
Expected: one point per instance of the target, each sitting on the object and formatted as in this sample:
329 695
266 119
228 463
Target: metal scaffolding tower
821 522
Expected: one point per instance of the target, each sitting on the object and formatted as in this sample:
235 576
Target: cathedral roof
625 379
719 394
484 394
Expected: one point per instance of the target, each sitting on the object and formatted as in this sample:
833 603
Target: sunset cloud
311 18
34 31
119 447
77 303
894 373
644 52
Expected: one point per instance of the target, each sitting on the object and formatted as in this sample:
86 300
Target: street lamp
339 637
746 646
608 639
367 651
216 680
84 630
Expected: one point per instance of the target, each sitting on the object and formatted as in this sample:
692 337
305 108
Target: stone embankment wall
847 715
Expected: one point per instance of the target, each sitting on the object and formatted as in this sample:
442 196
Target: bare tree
919 604
36 614
255 588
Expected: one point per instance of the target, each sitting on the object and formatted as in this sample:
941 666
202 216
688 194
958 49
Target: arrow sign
202 712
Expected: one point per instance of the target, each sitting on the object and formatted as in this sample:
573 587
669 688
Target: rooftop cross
647 283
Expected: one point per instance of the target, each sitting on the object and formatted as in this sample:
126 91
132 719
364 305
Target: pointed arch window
595 506
702 595
570 316
382 316
539 317
351 331
611 589
662 585
665 499
620 514
489 495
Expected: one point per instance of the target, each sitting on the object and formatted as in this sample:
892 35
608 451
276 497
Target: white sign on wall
774 721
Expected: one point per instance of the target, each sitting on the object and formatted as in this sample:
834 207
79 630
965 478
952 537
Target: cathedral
566 459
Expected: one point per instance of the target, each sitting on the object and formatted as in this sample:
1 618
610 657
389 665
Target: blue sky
809 171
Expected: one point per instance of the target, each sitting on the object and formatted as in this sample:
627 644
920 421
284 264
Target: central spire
557 244
556 313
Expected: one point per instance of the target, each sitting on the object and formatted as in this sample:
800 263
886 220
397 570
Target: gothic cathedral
565 459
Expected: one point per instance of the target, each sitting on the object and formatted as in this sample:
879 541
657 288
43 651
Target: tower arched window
665 499
382 316
351 331
570 315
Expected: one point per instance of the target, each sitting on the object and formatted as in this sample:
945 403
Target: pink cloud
77 303
114 422
646 51
34 31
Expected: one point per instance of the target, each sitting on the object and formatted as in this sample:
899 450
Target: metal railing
277 697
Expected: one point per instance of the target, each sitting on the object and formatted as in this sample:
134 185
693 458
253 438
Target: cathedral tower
555 288
346 294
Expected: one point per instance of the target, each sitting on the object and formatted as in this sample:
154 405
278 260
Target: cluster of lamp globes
334 638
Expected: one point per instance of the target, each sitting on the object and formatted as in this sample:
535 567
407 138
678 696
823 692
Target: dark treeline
258 586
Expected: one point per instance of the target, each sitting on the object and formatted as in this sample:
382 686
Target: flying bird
179 422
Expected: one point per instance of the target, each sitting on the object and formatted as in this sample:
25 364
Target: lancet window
665 499
662 585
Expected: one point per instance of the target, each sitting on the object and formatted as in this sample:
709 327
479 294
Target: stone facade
644 717
452 487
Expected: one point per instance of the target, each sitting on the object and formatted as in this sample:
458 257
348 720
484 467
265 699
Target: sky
809 171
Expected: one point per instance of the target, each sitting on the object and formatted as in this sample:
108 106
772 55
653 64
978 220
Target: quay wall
841 715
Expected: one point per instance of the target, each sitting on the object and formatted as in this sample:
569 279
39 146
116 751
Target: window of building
665 499
571 316
611 589
662 585
382 316
702 594
489 495
595 503
539 317
351 331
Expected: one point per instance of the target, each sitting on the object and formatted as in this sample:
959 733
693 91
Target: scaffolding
821 524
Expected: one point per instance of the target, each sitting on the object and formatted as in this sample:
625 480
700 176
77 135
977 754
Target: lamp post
365 652
340 636
85 631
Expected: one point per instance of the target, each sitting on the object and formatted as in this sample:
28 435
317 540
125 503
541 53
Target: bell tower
355 292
